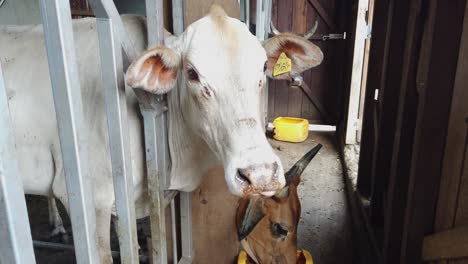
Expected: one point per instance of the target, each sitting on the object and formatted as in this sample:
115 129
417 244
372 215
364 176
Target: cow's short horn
297 170
311 32
274 30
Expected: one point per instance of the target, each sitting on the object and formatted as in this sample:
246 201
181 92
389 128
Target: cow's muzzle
259 179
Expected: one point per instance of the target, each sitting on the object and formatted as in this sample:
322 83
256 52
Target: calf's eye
265 67
192 75
279 230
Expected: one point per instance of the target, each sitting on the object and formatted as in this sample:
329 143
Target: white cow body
24 62
214 118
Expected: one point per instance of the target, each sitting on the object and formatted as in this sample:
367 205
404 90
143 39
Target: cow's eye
264 67
192 75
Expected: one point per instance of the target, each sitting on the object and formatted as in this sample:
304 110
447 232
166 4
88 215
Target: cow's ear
291 54
155 71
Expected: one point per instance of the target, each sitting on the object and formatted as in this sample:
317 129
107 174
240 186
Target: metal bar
157 210
263 19
243 14
174 232
163 149
119 140
107 9
178 16
155 22
247 13
186 227
58 34
262 30
156 144
15 233
185 198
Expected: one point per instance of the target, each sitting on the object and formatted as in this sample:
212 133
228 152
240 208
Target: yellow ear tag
283 65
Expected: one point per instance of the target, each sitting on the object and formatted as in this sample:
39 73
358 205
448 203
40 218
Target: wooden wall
450 238
414 141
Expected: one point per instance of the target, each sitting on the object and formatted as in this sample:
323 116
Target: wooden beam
450 191
308 92
446 245
377 68
405 120
323 14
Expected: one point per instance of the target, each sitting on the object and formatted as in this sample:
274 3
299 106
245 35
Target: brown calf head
267 227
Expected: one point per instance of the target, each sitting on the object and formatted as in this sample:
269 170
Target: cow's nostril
242 177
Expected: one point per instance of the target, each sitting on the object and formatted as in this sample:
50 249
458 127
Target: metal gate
15 234
17 246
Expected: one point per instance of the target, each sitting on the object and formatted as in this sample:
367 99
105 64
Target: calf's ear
155 71
289 55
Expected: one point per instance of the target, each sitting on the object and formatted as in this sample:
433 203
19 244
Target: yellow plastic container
243 257
291 129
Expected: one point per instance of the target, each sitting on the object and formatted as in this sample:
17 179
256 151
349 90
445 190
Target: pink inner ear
292 48
160 74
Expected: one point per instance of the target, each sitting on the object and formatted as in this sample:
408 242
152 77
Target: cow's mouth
253 191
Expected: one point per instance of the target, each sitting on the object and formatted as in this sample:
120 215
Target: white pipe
312 127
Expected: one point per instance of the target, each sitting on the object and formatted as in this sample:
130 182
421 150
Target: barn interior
388 104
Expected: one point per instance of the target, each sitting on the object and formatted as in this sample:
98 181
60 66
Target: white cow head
224 68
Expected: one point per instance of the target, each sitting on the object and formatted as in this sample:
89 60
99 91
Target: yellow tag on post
282 66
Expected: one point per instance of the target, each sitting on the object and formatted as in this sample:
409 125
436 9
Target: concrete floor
325 226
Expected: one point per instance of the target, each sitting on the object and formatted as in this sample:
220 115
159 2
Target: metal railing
17 246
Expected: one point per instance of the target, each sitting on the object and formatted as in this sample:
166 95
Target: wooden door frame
355 91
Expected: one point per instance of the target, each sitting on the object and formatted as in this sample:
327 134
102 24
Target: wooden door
299 16
450 240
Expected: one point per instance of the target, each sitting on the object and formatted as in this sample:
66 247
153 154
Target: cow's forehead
221 45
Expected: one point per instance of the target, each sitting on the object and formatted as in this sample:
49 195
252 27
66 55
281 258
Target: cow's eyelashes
192 75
